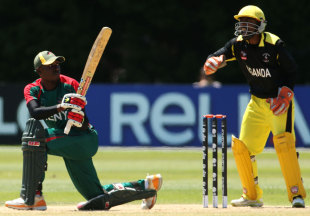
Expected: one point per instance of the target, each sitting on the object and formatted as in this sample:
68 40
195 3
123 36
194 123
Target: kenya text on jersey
58 116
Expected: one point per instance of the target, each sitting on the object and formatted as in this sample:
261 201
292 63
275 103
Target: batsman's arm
38 112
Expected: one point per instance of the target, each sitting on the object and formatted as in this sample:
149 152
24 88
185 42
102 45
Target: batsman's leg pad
244 166
34 159
285 147
116 197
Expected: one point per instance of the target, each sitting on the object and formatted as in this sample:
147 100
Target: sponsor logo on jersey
243 55
33 143
266 57
259 72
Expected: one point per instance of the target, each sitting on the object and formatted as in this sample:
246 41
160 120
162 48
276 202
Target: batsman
52 101
270 71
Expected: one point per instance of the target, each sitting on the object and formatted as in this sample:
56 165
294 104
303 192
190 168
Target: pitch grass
180 168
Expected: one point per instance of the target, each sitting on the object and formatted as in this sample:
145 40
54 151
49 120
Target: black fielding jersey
266 66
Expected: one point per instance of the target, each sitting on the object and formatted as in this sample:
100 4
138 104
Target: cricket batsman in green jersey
52 101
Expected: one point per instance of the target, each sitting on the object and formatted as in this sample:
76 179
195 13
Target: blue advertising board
153 115
171 115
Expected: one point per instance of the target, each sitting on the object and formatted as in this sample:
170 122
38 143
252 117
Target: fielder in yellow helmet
270 71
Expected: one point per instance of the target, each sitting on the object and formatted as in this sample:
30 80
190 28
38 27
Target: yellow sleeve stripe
233 50
231 59
233 53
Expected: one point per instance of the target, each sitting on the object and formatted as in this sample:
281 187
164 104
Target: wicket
214 130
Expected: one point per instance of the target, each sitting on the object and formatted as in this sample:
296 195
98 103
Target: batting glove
73 101
280 104
76 117
212 64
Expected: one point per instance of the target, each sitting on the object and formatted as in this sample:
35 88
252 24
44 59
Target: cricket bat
91 64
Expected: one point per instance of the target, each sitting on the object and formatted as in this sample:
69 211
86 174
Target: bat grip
68 127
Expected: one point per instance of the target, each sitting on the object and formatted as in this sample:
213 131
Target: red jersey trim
27 93
53 138
70 81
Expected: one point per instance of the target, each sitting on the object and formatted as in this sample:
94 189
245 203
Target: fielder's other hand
280 104
212 64
73 101
76 117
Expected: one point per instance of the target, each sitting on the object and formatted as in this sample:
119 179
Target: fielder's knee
284 141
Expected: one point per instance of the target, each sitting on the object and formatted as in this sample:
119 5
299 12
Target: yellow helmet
248 29
252 12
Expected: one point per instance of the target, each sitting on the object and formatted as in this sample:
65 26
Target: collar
261 42
262 39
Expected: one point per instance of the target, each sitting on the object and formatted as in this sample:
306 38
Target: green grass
180 168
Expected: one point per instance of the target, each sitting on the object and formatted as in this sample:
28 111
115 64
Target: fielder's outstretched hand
280 104
212 64
73 101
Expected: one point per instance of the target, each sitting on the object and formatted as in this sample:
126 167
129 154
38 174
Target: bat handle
68 127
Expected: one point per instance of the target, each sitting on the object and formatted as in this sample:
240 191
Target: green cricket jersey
35 91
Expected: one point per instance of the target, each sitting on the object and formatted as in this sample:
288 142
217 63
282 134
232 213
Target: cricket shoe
242 202
151 182
19 203
298 202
